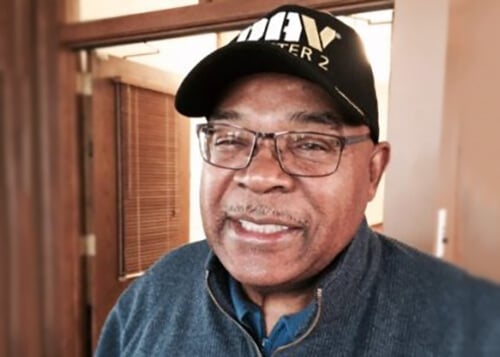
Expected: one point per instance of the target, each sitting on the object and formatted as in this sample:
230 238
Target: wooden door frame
213 16
39 203
65 330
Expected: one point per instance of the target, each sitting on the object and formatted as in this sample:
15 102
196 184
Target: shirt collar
286 329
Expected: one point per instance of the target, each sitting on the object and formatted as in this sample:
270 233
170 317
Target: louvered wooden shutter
148 162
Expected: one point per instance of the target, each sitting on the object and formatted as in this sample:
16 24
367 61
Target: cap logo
286 29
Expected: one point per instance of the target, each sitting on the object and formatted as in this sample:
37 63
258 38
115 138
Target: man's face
271 230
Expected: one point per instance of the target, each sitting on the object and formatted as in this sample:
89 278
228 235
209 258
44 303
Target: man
290 267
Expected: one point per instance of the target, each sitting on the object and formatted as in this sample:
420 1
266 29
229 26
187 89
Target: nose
264 174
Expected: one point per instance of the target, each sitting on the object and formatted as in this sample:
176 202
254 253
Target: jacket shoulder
154 299
176 274
184 264
437 285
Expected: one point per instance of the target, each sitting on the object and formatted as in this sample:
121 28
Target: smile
262 228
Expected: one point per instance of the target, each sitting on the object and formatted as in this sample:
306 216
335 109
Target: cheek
340 200
356 178
213 185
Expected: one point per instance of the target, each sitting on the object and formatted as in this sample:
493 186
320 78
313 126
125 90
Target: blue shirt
249 314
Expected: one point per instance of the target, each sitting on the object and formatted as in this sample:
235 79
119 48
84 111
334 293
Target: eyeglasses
299 153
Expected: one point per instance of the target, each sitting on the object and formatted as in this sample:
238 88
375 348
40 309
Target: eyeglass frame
344 141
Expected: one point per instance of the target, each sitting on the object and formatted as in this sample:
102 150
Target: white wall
376 37
195 225
97 9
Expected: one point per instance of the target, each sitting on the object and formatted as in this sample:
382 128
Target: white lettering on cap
258 30
289 31
276 27
316 39
273 32
293 29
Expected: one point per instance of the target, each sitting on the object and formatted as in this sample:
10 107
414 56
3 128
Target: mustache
260 210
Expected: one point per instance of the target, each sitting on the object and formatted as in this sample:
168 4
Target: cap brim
203 86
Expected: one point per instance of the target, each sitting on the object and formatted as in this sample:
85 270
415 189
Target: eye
313 143
229 140
309 145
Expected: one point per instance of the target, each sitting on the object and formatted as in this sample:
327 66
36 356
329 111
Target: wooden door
139 177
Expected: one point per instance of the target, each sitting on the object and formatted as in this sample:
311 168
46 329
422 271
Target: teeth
262 228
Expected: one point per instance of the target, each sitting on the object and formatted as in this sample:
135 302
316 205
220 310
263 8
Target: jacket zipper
245 332
319 297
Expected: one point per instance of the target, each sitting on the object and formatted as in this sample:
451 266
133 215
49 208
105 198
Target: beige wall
444 122
472 112
415 113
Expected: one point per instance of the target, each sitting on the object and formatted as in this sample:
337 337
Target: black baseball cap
294 40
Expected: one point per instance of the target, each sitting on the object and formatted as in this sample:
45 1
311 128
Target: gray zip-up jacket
378 298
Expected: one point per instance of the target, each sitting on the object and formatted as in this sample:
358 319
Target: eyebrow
329 118
219 114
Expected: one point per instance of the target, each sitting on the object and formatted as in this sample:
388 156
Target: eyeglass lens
299 153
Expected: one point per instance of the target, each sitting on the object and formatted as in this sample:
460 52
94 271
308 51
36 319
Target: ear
378 162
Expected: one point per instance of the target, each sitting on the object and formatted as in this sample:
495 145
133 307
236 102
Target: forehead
273 97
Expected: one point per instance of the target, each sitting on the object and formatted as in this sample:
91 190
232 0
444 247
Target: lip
261 230
264 219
